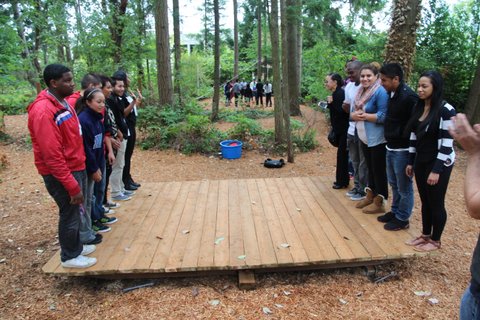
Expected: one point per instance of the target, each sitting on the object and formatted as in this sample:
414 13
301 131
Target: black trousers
434 215
108 172
342 177
376 158
127 177
259 97
268 97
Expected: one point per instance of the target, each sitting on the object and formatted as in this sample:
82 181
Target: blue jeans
98 195
358 161
469 306
402 185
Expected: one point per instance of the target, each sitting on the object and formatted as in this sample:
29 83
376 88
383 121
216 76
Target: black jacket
117 106
399 111
338 117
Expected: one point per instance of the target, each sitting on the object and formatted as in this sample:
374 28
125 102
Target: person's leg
355 159
378 166
367 152
126 175
363 173
421 176
69 219
469 306
436 195
108 172
98 196
342 177
86 231
392 180
116 183
404 186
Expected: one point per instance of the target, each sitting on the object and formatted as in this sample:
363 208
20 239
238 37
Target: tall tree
401 44
235 39
472 109
177 50
117 25
286 23
277 73
164 70
292 20
216 66
259 39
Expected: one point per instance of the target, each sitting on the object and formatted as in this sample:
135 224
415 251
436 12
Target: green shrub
245 128
305 141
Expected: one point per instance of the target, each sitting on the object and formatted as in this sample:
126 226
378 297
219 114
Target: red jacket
72 99
57 140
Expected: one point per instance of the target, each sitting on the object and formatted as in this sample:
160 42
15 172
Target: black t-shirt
118 106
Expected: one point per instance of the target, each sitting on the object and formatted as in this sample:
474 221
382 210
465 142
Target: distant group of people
244 91
392 134
82 142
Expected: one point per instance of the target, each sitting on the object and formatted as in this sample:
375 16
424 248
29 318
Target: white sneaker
79 262
87 249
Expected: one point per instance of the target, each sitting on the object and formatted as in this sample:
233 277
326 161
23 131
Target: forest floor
28 228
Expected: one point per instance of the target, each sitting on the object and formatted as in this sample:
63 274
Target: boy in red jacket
60 159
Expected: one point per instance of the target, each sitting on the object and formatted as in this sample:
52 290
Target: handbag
269 163
333 138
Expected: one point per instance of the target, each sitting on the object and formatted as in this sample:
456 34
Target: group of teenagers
391 135
83 144
244 91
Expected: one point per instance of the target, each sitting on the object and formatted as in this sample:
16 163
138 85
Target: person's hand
409 171
358 115
97 176
139 98
433 178
77 199
329 99
111 158
466 136
119 135
115 143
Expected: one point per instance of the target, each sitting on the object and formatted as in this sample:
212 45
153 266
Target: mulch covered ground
28 226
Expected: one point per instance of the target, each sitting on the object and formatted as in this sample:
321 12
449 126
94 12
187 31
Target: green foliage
303 138
244 128
16 101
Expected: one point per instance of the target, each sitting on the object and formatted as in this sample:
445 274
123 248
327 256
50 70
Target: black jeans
342 177
434 215
127 177
259 97
268 97
376 158
69 216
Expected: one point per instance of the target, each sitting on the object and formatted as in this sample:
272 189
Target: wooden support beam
246 280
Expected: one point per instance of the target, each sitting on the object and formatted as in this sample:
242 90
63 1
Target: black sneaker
386 217
100 227
97 240
108 220
395 225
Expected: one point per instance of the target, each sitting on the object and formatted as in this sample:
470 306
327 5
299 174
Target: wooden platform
207 226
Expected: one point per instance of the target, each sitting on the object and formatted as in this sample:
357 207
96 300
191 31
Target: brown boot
368 199
378 205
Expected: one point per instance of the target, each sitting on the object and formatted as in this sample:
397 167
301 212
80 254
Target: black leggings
342 177
376 158
127 177
434 215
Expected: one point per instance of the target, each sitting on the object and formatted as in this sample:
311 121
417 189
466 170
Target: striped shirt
445 156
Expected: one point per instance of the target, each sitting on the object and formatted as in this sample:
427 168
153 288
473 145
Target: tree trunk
277 75
402 36
116 28
216 71
178 50
259 40
235 39
472 108
140 42
285 79
299 52
292 17
164 71
34 71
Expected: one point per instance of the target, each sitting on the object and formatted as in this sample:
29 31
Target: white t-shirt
350 92
267 88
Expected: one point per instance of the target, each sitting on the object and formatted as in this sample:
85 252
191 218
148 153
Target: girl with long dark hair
431 158
339 122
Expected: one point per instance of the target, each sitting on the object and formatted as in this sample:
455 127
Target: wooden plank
137 247
373 249
237 250
171 228
207 243
222 249
303 198
246 280
52 264
292 238
264 239
155 235
183 233
250 240
295 213
283 255
192 250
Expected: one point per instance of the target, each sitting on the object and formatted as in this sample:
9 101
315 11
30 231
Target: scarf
364 95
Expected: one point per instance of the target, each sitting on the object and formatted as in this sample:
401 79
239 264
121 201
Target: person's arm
469 139
381 101
129 108
337 103
109 150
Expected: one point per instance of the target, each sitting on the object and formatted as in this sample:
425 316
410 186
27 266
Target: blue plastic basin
230 151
